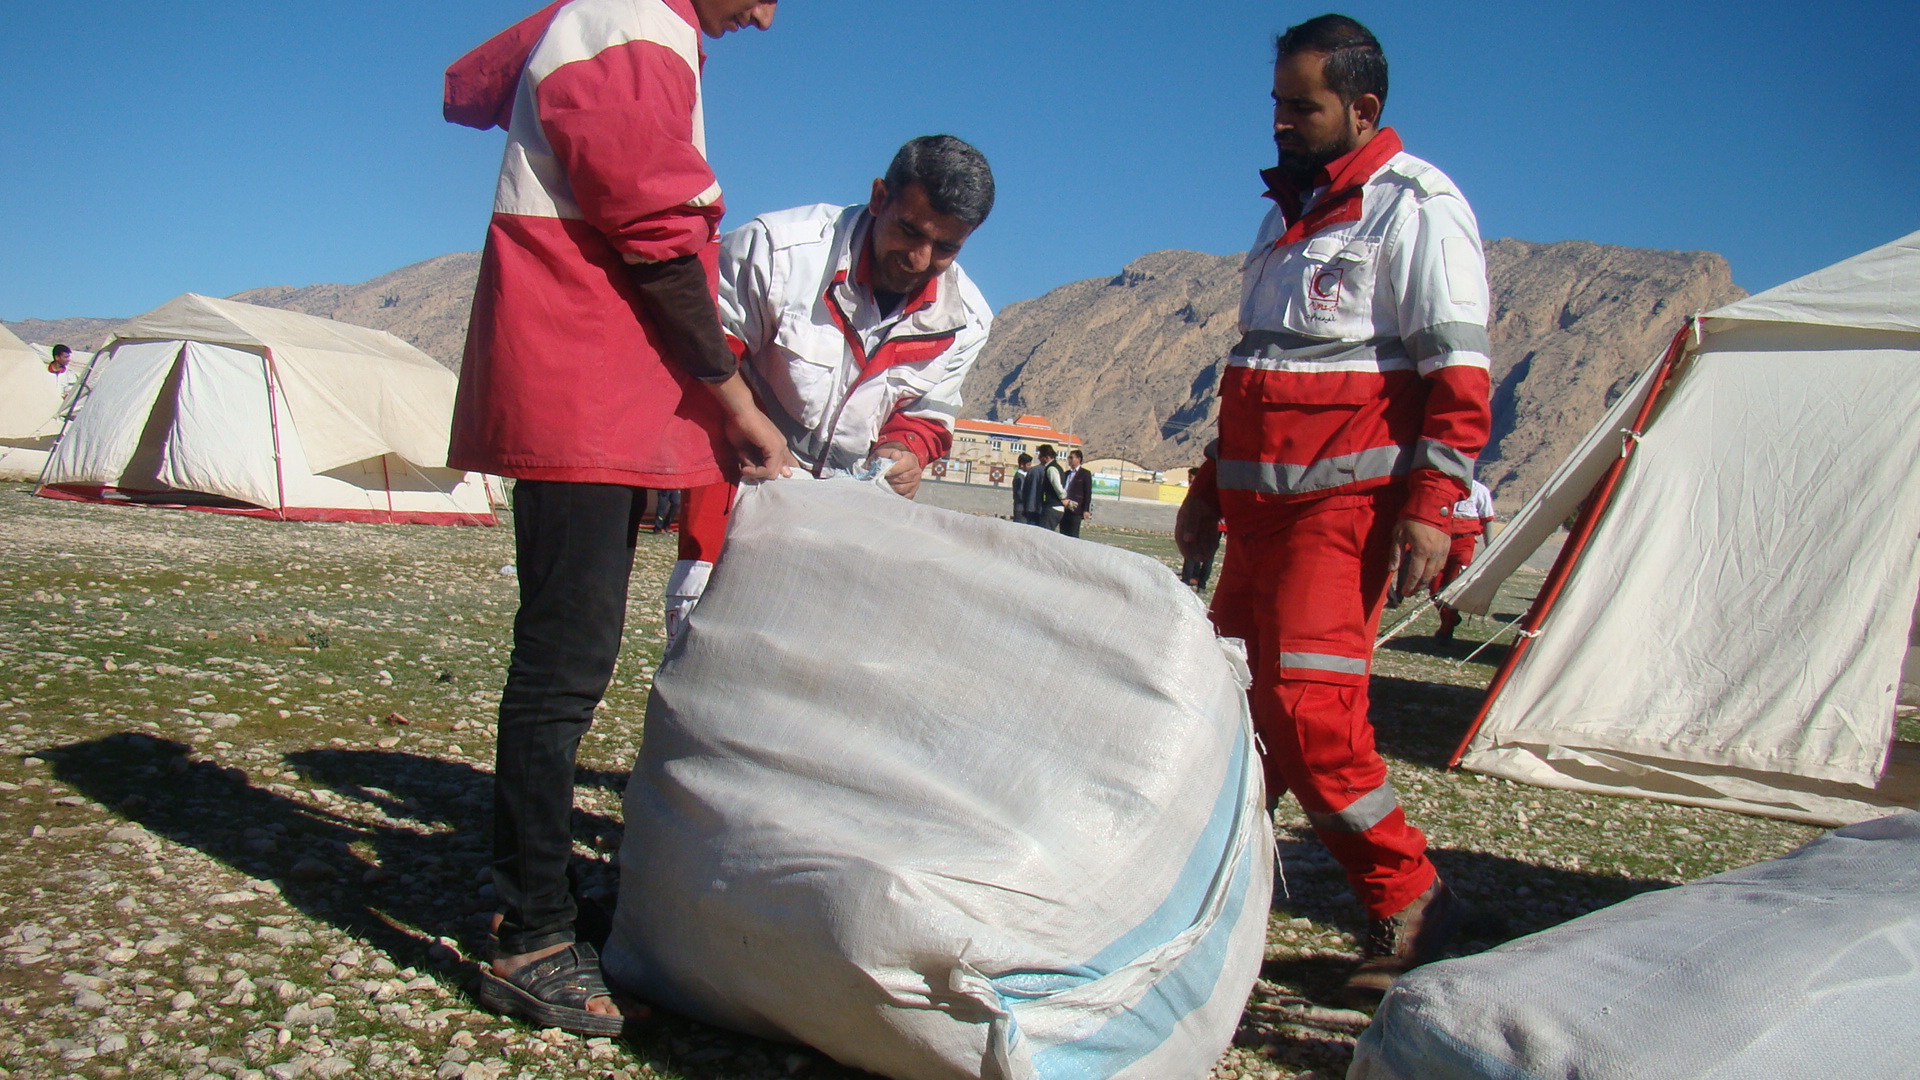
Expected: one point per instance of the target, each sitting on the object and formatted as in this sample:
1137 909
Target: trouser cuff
522 944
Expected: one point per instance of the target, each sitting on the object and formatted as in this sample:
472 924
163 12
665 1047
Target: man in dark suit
1022 490
1079 499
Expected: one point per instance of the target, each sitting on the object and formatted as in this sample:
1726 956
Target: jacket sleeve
1206 481
746 268
924 424
678 296
1440 282
621 125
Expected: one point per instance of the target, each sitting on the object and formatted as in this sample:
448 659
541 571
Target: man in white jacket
855 327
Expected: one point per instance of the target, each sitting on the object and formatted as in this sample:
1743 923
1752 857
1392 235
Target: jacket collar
1343 177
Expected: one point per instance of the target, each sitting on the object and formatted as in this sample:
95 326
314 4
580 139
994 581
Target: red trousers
703 521
1304 585
1459 557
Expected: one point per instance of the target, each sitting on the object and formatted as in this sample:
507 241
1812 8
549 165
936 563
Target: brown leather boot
1419 934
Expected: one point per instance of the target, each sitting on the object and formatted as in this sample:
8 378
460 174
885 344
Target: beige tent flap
1551 506
29 396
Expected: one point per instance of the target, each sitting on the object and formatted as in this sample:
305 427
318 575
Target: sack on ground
1808 965
946 797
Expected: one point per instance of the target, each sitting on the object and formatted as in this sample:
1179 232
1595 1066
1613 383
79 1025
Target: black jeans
1070 522
666 507
574 547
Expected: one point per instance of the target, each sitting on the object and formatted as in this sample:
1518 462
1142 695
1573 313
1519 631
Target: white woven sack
946 797
1805 966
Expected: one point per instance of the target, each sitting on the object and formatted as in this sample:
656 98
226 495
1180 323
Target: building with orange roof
987 451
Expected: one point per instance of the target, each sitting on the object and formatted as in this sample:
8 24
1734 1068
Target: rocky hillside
425 304
1130 362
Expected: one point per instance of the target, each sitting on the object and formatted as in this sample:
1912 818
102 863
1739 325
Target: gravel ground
245 773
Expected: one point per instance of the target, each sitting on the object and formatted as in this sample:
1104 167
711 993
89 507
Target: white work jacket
835 374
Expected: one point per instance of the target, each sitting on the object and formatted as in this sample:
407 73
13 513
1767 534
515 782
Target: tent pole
386 481
1597 502
273 421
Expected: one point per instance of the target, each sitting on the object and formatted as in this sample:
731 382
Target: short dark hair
1355 62
954 175
1046 450
1026 459
61 350
1076 454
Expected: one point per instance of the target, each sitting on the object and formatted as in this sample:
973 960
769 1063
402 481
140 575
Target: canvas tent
220 405
29 408
1727 624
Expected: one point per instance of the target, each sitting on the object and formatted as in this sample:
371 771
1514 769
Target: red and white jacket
830 369
605 165
1363 360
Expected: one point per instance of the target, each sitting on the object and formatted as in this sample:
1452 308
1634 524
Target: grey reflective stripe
935 408
1313 661
1286 345
1444 459
1448 337
1361 814
1274 478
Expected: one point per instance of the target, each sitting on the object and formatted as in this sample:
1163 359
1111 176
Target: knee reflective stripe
1313 661
1359 815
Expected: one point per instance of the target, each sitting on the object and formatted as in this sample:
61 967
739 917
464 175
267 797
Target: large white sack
1805 966
946 797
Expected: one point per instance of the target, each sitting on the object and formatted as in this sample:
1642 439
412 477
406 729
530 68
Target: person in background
1077 502
666 507
1049 489
855 326
64 375
595 369
1023 490
1473 519
1351 412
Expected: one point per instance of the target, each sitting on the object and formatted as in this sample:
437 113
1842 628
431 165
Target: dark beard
1302 166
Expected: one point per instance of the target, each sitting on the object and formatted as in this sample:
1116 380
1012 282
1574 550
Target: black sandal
553 992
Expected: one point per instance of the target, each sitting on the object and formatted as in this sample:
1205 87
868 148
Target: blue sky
154 149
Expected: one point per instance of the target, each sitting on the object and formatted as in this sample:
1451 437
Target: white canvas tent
220 405
29 408
1728 622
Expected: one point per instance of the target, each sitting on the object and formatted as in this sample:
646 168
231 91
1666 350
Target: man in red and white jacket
855 327
1473 519
595 368
1351 414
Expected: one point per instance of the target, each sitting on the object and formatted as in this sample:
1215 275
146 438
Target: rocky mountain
1130 363
81 333
425 304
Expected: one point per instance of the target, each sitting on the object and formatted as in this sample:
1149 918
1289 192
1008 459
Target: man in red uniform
595 369
1472 520
1351 412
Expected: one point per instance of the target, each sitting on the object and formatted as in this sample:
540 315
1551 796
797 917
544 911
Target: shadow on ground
407 867
1507 898
1421 722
